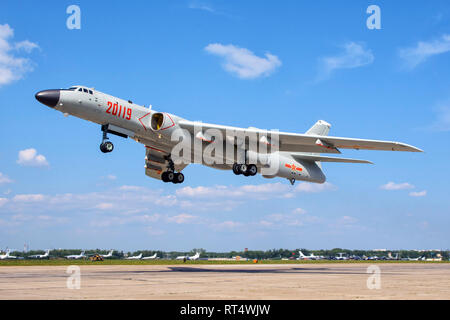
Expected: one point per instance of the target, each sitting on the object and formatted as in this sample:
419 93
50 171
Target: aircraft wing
295 142
156 163
311 157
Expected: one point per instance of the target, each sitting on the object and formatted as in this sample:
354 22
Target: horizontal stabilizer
311 157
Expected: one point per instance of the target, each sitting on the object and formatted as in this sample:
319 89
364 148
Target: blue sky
252 63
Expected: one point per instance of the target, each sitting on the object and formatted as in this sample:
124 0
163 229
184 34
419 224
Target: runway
259 281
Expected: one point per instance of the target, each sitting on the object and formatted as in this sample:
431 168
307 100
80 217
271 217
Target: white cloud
201 6
354 56
423 50
130 188
26 46
418 193
29 198
4 179
182 218
30 157
271 189
13 68
3 201
314 187
226 225
397 186
263 191
299 211
104 206
242 62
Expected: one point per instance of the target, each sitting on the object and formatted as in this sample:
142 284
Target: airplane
415 259
7 255
76 256
341 257
134 257
249 151
40 256
390 257
310 257
194 257
109 255
150 257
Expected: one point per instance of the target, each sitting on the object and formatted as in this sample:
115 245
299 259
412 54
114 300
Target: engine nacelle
283 165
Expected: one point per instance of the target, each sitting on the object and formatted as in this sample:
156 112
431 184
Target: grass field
65 262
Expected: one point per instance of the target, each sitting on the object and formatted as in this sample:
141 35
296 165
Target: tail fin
320 128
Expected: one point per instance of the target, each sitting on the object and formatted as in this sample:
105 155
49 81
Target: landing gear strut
246 170
170 175
106 146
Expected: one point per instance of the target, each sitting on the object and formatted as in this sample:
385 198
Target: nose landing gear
106 146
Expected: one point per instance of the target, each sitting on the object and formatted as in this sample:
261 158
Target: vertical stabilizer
320 128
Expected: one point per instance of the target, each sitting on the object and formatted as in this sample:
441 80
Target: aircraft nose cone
48 97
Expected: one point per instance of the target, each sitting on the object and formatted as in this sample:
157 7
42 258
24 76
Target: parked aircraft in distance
150 257
41 256
416 259
341 256
194 257
76 256
7 255
310 257
109 255
390 257
245 151
134 257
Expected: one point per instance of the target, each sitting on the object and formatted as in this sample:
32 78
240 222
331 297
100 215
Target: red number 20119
119 110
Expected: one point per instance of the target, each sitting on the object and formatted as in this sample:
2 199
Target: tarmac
258 281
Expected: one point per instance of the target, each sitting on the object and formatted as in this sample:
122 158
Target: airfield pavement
257 281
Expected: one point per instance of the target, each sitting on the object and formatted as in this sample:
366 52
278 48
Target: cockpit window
72 88
90 92
85 90
80 89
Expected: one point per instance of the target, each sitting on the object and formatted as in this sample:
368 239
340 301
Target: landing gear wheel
178 178
164 176
106 147
243 168
252 169
236 169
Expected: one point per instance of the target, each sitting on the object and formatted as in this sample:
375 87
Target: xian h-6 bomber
172 142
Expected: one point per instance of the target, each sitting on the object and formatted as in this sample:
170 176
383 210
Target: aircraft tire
243 168
252 169
236 169
178 178
106 147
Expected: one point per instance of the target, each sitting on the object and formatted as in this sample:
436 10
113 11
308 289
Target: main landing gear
170 175
245 169
106 146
